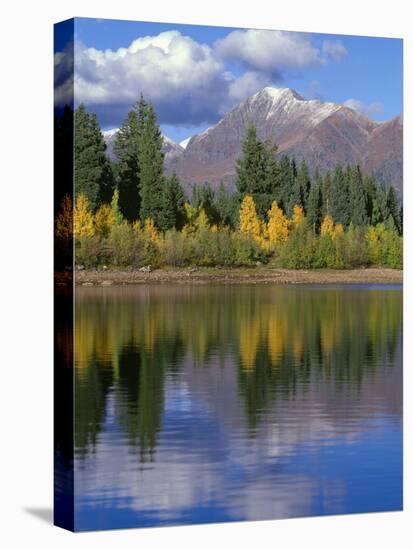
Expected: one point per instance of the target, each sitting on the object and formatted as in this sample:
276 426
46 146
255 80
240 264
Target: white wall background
26 271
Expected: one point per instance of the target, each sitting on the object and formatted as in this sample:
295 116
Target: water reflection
219 403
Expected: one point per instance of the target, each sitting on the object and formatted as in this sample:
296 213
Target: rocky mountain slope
318 132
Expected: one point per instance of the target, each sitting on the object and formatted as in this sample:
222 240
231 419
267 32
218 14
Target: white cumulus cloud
180 76
269 51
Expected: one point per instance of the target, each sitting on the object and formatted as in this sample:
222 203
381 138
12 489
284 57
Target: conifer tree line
128 211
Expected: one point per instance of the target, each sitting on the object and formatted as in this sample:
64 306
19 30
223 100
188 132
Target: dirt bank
258 275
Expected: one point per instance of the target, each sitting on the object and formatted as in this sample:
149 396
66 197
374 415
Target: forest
129 213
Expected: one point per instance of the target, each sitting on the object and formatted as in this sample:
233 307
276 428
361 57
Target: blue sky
194 74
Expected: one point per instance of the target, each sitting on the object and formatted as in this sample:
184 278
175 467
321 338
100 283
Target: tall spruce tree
370 187
340 197
223 205
126 149
296 197
203 196
286 175
326 188
304 183
393 207
92 169
250 169
173 203
257 171
152 181
381 208
358 203
315 204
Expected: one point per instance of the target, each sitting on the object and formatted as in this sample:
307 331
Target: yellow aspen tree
190 212
104 220
297 217
374 243
338 231
248 219
201 221
114 205
83 218
137 227
327 227
64 221
151 231
190 215
277 226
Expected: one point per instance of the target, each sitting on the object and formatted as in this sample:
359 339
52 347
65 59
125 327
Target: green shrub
299 251
176 248
246 250
90 251
392 246
125 247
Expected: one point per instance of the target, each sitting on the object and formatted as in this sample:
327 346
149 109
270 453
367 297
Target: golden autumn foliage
137 228
151 231
114 205
83 225
64 220
201 222
104 220
338 231
375 235
249 222
327 227
297 217
277 227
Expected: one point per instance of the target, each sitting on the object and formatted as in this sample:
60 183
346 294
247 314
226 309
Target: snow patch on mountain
185 142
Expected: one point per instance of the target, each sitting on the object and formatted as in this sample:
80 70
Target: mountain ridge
321 133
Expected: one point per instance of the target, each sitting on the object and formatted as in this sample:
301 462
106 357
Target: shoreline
259 275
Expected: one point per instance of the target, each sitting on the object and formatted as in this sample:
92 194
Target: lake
200 404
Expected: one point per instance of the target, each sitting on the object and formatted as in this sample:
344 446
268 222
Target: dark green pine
92 169
340 197
152 181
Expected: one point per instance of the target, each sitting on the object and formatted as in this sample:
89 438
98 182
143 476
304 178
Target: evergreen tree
326 188
304 184
92 175
296 193
152 181
370 188
286 175
340 197
126 149
393 207
222 205
174 200
257 171
315 205
381 211
203 196
250 169
358 204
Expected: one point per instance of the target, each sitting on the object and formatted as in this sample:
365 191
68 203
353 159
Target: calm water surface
223 403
